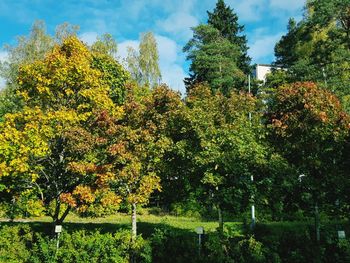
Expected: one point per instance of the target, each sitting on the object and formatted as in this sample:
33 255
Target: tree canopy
218 52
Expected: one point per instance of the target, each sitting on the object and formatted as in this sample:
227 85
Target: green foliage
144 64
113 75
218 52
228 146
235 248
91 247
19 244
166 242
317 49
105 45
10 102
225 20
309 128
214 60
15 244
149 60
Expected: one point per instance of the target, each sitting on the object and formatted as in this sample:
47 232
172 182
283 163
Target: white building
262 70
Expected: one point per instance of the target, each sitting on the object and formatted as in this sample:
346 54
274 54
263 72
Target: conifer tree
218 53
224 19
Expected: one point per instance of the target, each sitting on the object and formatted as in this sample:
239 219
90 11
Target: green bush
81 247
15 243
228 248
174 246
189 209
18 244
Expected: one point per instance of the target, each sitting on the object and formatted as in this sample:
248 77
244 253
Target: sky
265 21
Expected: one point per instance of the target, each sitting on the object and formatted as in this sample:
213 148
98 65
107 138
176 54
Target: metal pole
199 244
253 207
251 177
250 114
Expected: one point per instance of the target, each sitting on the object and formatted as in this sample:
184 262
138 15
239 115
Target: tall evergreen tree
224 19
214 60
218 52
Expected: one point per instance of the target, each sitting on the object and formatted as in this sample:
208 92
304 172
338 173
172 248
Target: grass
146 223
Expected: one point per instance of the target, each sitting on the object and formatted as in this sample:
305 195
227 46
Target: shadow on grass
146 229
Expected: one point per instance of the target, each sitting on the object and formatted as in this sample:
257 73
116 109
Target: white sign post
58 230
200 231
341 234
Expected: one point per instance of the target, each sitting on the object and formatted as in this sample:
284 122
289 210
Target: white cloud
173 75
2 83
167 49
122 48
3 57
248 10
88 37
169 62
262 47
287 5
178 24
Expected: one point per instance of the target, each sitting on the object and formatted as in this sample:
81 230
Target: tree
214 60
28 49
225 20
309 128
49 147
65 30
328 12
317 48
105 45
134 148
229 150
144 65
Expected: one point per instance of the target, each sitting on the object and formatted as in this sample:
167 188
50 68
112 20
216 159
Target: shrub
81 247
15 243
174 246
18 244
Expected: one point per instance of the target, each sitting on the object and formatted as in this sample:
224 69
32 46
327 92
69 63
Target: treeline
79 132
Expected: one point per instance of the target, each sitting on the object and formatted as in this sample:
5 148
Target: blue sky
265 22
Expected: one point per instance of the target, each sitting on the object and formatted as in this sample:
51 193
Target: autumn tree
134 146
317 48
29 48
309 128
144 63
42 146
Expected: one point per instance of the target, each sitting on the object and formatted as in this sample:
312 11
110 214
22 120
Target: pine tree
224 19
214 60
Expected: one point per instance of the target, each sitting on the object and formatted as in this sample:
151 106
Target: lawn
146 223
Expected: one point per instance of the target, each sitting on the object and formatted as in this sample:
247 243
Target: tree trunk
66 212
56 219
221 221
133 223
317 223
